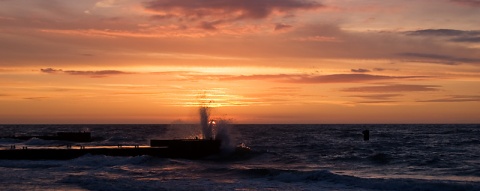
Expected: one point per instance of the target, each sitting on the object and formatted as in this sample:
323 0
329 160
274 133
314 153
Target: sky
251 61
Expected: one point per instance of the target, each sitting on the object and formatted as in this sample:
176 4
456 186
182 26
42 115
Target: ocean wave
283 157
41 142
107 161
9 141
381 158
27 164
93 182
319 176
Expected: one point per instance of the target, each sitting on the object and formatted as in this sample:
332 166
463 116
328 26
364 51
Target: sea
415 157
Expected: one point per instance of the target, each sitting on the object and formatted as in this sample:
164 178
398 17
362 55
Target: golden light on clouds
265 61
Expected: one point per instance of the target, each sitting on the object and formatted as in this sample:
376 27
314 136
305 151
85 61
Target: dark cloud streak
50 70
375 102
378 96
441 32
35 98
360 70
99 73
437 58
280 26
394 88
95 73
451 34
456 98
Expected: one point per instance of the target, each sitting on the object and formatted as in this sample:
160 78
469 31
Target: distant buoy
366 135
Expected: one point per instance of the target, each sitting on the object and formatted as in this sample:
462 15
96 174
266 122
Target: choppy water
283 157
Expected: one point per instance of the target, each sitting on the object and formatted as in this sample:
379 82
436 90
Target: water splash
207 125
218 129
222 133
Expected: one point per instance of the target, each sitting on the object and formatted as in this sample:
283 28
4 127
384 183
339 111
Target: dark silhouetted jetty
182 148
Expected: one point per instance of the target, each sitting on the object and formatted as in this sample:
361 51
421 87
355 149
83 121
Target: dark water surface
283 157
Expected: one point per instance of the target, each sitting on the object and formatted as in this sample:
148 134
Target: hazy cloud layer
248 29
393 88
456 98
35 98
281 78
375 102
334 78
441 59
378 96
473 3
348 78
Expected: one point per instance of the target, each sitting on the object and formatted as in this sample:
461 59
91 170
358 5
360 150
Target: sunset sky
252 61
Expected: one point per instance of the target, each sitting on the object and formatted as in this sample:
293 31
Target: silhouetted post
366 135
